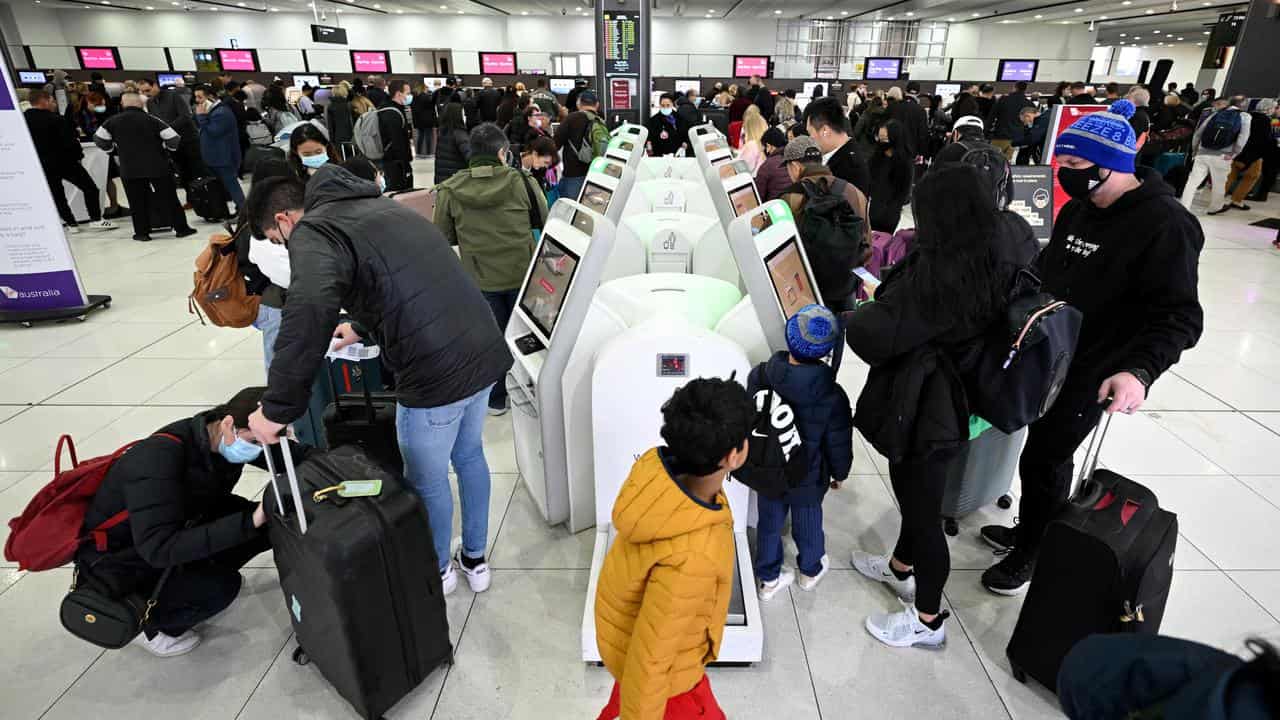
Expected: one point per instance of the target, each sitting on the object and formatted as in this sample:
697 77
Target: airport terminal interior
675 257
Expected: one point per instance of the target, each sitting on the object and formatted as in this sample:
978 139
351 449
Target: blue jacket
823 417
219 137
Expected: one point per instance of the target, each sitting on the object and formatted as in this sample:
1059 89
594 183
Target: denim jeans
571 186
502 303
429 439
269 323
806 529
230 181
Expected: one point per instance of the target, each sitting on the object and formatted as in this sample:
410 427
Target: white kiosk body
607 186
567 265
673 241
668 166
627 143
700 136
653 333
670 194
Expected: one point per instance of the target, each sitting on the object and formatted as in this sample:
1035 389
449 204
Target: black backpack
833 237
1221 130
1025 357
777 460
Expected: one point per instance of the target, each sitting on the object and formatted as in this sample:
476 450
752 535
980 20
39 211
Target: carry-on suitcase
360 576
1105 566
160 213
209 199
257 153
365 418
991 461
419 200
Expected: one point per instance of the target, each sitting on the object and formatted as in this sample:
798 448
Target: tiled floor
1208 445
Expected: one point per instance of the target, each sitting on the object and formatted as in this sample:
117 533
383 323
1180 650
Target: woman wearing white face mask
309 150
667 132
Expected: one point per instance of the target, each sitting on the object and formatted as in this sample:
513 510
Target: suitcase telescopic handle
337 395
1094 451
292 473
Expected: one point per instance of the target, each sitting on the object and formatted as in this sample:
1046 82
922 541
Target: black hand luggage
209 199
365 418
360 578
1105 566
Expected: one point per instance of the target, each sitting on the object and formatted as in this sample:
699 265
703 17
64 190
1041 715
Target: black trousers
139 190
399 174
189 162
919 484
1047 465
79 177
885 217
502 303
198 591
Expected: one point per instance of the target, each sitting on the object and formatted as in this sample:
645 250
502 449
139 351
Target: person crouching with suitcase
1125 253
180 523
663 593
930 313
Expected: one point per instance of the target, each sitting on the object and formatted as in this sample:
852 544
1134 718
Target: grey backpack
368 136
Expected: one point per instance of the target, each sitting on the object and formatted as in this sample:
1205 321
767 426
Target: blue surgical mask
239 452
667 111
408 100
100 109
315 161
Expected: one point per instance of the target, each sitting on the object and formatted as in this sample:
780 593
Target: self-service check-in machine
670 166
627 144
645 336
702 135
567 265
774 267
733 190
672 195
607 187
675 242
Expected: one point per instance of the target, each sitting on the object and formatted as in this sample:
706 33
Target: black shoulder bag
91 613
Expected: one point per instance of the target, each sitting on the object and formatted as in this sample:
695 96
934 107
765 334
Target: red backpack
51 528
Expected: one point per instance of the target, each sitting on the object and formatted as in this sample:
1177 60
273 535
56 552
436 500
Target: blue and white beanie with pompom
1104 138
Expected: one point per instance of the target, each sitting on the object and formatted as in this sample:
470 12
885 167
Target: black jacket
54 138
890 183
914 401
915 124
823 417
487 103
166 485
1259 145
453 153
402 284
675 129
1131 269
965 104
1082 99
337 116
1005 121
851 167
424 110
141 142
765 101
569 135
377 96
687 113
174 108
395 130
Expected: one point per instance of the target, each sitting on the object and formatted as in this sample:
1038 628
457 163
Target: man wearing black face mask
1124 252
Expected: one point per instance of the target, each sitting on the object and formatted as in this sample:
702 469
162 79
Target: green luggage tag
350 489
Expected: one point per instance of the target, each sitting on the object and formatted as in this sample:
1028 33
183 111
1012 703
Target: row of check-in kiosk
662 270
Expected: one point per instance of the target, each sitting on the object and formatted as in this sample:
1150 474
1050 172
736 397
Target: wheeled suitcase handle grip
292 472
1094 451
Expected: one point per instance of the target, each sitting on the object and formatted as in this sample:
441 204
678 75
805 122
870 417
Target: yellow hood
651 506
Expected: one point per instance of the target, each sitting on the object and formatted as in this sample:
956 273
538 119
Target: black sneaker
142 238
186 233
999 537
1220 210
1240 206
1010 576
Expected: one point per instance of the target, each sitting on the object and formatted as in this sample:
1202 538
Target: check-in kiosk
673 242
700 136
645 336
670 195
557 292
774 267
733 190
627 144
670 166
607 186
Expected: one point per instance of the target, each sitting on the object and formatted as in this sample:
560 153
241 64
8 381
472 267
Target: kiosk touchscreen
562 277
700 136
606 188
627 144
733 189
774 266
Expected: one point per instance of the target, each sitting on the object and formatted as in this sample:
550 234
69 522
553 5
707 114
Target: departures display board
622 60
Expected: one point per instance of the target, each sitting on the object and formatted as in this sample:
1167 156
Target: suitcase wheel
300 656
1004 502
950 526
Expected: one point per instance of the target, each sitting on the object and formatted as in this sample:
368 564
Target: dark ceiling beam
727 13
1050 6
226 5
1216 10
112 6
498 10
877 9
354 5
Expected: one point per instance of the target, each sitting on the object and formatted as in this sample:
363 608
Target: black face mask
1080 184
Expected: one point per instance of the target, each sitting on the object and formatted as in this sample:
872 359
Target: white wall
1186 64
993 40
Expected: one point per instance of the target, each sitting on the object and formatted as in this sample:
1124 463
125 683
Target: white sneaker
101 225
449 578
166 646
478 577
877 568
72 229
903 629
807 583
767 590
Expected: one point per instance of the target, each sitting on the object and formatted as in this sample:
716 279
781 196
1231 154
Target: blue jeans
502 303
806 529
571 186
429 439
231 181
269 323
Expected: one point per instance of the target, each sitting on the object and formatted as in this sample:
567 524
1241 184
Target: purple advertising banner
39 291
6 100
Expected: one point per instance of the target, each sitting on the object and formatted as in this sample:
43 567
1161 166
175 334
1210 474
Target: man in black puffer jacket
173 496
1124 253
406 291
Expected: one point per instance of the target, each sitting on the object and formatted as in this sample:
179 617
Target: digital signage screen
370 61
167 79
98 58
883 68
32 77
497 63
1018 70
237 60
561 86
748 65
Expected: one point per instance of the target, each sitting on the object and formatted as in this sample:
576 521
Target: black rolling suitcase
360 578
1105 566
366 419
209 199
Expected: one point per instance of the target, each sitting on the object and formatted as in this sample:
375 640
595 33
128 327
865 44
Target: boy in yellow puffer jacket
663 592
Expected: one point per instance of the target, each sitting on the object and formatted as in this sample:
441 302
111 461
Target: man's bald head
131 100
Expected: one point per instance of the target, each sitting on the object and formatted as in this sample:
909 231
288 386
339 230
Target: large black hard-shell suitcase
1105 566
360 578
